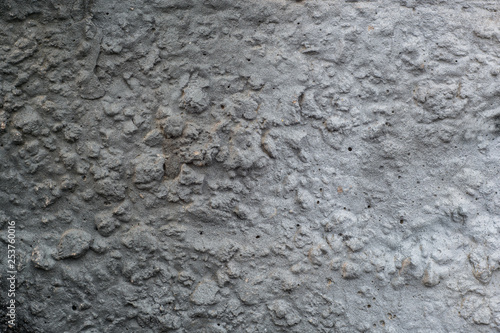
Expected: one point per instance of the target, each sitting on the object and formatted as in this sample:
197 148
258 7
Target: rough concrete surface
251 165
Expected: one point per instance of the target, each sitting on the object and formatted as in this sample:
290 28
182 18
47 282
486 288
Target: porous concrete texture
237 166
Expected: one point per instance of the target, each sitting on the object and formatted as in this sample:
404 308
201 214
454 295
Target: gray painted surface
251 166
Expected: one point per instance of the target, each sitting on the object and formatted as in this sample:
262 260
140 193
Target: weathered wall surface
251 166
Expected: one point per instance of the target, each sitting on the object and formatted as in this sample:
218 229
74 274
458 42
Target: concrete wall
251 166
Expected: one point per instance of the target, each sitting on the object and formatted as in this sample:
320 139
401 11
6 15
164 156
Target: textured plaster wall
251 166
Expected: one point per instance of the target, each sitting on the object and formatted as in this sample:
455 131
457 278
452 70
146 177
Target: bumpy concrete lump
251 166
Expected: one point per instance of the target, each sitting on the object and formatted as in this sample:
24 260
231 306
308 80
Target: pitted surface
252 166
